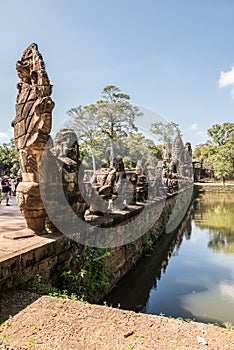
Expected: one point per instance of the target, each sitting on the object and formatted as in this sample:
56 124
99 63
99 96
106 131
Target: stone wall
44 257
52 253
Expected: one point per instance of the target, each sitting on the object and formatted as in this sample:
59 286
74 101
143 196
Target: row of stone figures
52 174
117 187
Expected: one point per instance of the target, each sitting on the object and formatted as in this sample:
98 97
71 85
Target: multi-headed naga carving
32 126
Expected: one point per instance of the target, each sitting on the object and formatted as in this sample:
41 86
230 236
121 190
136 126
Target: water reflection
215 213
134 290
191 271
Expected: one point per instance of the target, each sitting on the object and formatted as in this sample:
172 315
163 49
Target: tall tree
116 116
222 161
203 151
165 132
138 147
218 153
85 124
221 134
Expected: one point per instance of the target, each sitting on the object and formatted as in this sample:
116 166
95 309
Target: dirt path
57 324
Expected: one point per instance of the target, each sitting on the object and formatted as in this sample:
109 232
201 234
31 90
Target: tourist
6 189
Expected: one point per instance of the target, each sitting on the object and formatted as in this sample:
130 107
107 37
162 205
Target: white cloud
196 130
195 134
3 135
226 78
193 127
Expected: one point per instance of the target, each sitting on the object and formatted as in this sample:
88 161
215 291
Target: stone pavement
12 221
10 217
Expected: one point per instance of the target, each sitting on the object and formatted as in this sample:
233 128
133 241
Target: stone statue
120 184
167 152
188 148
61 179
119 168
142 184
178 150
32 126
188 168
66 150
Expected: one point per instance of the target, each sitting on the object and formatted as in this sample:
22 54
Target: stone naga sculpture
32 126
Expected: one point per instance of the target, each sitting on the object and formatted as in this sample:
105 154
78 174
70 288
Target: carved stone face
119 164
73 151
66 145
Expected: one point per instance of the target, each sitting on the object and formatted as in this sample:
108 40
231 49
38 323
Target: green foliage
85 124
107 128
150 238
218 154
222 162
221 134
202 152
229 326
138 147
40 288
148 245
9 159
96 158
105 121
165 132
217 217
89 275
30 343
88 278
116 116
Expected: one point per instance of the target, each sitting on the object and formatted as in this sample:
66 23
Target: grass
229 326
30 343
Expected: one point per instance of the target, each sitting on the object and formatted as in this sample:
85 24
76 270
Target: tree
221 134
108 119
202 152
9 159
222 162
165 132
218 153
85 124
116 116
217 217
138 147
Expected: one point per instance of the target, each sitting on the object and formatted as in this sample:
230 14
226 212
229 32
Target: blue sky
174 57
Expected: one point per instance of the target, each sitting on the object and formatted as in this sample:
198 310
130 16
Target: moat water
190 274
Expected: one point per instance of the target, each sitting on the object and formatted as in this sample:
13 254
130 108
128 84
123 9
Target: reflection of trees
132 292
221 242
215 213
183 199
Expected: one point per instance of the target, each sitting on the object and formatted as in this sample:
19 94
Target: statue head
139 168
65 144
119 164
188 147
